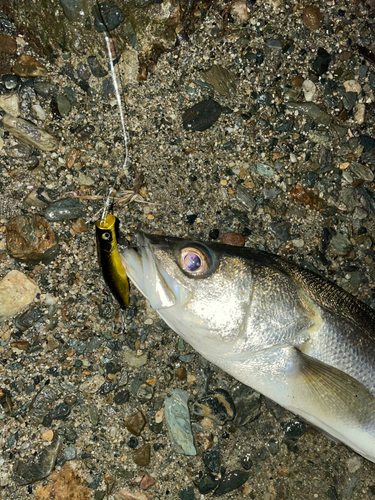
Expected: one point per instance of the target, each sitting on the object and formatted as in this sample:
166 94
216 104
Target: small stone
28 318
181 373
93 414
79 226
70 453
231 481
132 495
85 180
47 435
64 209
244 197
297 81
37 112
142 455
239 11
17 291
30 239
121 397
207 484
10 104
63 105
264 170
354 464
6 400
146 482
8 45
60 411
27 472
309 90
145 393
246 462
352 86
247 403
201 116
187 493
45 89
311 110
360 213
312 17
283 471
133 360
295 429
39 197
177 418
322 62
92 384
360 171
281 230
359 114
10 81
340 244
107 16
135 423
73 9
349 100
26 66
218 406
233 239
221 79
129 65
20 151
211 459
96 68
30 134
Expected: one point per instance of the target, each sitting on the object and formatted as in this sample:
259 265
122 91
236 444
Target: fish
109 259
283 330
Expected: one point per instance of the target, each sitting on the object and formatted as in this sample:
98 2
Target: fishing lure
109 259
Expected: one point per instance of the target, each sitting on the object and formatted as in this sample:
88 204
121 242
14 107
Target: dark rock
27 472
63 105
133 443
281 230
28 318
322 62
83 72
73 8
26 66
231 481
349 100
218 406
42 402
10 81
244 197
142 455
135 423
187 493
145 393
201 116
221 79
107 16
295 429
60 411
246 462
96 68
8 45
107 387
45 89
30 239
367 142
214 234
6 400
207 484
20 151
211 459
247 404
65 209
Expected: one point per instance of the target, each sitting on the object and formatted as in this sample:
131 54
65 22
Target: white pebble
352 86
359 115
309 89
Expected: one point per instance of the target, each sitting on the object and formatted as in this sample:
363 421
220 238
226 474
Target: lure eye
106 236
194 261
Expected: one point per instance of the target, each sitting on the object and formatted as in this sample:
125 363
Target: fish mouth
146 272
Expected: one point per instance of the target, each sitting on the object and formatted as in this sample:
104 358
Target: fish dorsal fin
331 392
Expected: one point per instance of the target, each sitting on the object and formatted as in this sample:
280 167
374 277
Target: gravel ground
288 165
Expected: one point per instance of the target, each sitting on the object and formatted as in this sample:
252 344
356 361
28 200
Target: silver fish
283 330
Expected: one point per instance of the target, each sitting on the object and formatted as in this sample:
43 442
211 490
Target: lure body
109 259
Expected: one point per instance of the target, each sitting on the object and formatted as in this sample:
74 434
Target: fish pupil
192 261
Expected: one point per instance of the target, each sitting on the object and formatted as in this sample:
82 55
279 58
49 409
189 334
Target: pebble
354 463
135 423
311 110
38 112
29 133
352 86
231 481
10 81
309 90
233 239
130 495
6 401
340 244
26 66
201 116
63 105
96 68
218 406
64 209
107 16
360 171
177 418
17 291
187 493
133 360
30 239
211 459
73 9
244 197
28 318
322 62
10 104
221 79
8 45
312 17
70 453
359 115
207 484
60 412
264 170
92 384
20 151
281 230
47 435
142 455
45 89
146 482
121 397
247 403
246 462
93 414
349 100
29 471
295 429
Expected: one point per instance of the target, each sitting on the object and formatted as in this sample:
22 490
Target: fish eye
106 236
194 261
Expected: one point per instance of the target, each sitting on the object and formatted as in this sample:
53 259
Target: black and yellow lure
109 259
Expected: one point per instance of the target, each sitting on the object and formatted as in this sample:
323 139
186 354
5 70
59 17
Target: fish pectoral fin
330 392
